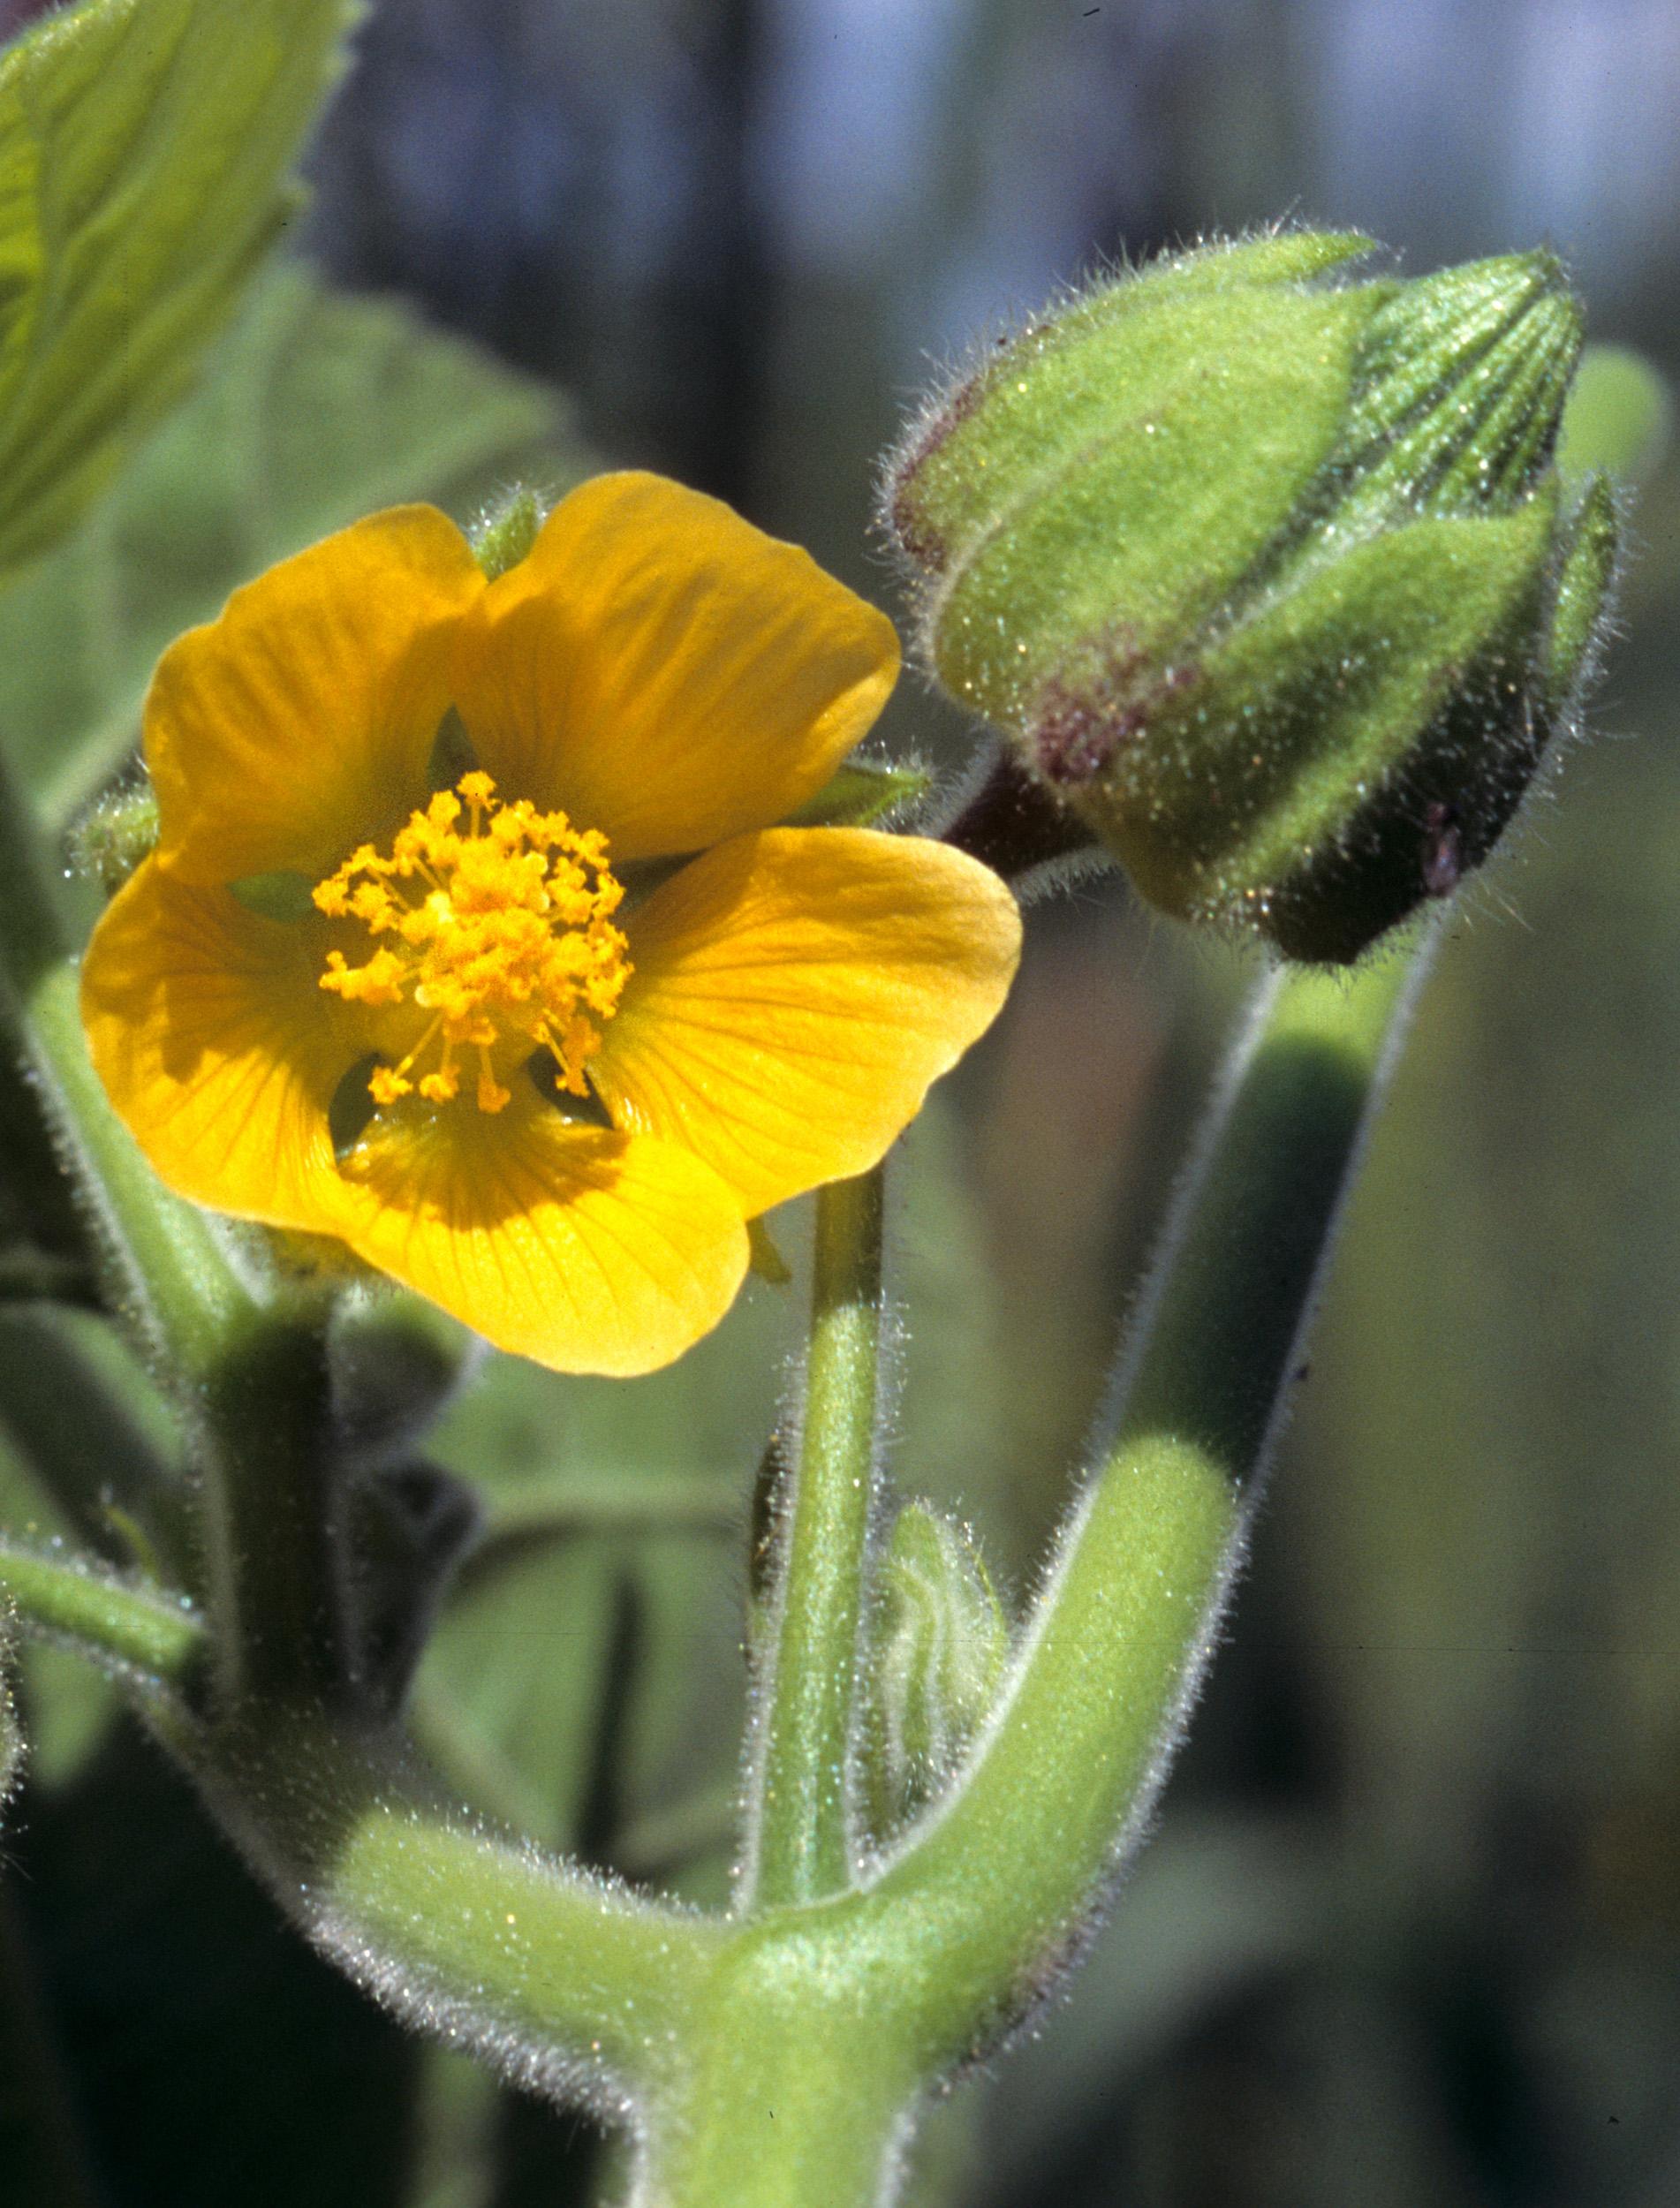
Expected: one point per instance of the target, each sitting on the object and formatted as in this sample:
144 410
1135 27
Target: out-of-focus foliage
1619 418
586 1681
108 1429
313 410
144 147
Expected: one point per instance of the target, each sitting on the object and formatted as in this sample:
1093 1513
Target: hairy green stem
823 2023
115 1624
802 1811
986 1895
166 1271
790 2100
580 1986
273 1510
776 2058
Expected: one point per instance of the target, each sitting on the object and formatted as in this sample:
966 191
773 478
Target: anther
502 930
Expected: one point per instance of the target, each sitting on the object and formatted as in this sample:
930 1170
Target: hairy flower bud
935 1654
1271 581
114 835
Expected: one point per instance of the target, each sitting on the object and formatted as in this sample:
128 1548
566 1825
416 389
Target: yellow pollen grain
497 920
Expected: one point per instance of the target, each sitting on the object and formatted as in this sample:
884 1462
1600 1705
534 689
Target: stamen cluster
502 930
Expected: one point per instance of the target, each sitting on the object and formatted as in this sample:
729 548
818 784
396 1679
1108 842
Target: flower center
501 930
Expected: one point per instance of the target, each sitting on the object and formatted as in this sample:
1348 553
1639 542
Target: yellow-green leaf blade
144 150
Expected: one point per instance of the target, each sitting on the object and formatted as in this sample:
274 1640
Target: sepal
117 832
506 531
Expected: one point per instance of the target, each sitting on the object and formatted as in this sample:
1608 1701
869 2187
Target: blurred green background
1410 1926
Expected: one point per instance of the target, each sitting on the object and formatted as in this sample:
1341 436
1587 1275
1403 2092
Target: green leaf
316 408
144 146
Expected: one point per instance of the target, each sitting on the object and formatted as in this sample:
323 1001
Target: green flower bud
506 531
116 833
937 1647
1271 581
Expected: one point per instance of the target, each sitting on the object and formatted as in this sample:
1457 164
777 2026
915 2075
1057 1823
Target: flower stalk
801 1808
273 1507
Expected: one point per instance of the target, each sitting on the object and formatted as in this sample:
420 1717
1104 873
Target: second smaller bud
933 1658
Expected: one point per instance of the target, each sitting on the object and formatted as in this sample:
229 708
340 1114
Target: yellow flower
541 1041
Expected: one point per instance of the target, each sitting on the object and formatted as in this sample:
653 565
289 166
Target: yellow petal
793 995
588 1250
217 1047
666 672
301 722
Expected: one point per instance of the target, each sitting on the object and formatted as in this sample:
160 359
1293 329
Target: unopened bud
506 531
116 833
1271 581
934 1656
